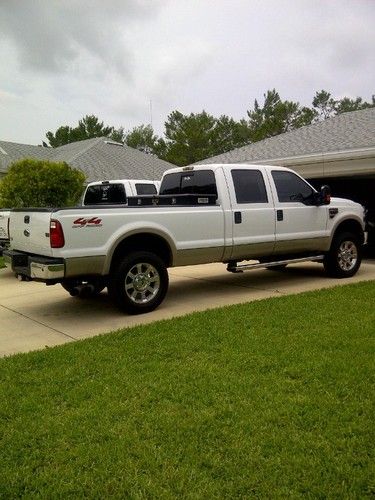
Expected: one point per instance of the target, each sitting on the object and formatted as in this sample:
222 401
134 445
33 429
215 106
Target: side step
232 267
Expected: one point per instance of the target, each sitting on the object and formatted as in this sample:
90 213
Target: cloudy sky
63 59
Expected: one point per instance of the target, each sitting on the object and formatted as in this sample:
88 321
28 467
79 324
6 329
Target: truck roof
112 181
215 166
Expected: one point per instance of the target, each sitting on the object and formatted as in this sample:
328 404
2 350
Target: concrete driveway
34 316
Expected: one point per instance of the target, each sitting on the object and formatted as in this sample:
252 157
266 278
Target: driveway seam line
234 284
38 322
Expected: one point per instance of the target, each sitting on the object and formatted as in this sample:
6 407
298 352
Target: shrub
41 183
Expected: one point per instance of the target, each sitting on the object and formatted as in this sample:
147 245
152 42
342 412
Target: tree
144 139
347 104
41 183
326 106
229 134
194 137
118 135
188 137
276 117
88 128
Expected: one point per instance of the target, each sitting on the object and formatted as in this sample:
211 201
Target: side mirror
325 195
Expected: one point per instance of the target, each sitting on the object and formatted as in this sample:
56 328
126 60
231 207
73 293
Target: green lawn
2 262
271 399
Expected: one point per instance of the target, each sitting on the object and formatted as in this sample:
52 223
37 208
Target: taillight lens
56 234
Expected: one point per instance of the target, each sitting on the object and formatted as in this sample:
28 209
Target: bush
40 183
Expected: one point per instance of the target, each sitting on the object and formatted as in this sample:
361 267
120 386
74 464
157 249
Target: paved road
33 316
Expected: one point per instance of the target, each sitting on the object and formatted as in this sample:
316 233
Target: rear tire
139 282
344 257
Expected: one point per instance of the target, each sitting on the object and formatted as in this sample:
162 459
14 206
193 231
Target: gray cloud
62 59
51 35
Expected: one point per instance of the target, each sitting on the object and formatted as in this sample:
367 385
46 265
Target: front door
301 226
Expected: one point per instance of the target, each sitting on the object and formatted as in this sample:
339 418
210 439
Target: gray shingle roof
348 131
10 152
98 158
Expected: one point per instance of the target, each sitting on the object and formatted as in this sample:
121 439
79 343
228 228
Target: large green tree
39 183
89 127
188 137
144 139
229 134
276 116
194 137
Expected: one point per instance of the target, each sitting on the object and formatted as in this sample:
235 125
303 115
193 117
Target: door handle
280 215
237 217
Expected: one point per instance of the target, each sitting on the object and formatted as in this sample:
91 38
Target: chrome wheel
142 283
344 257
138 282
347 255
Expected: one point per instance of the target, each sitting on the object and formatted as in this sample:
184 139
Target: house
339 151
98 158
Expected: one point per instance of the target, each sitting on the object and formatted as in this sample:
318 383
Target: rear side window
105 194
198 182
249 186
145 188
290 187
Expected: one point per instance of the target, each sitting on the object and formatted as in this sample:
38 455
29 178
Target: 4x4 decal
83 222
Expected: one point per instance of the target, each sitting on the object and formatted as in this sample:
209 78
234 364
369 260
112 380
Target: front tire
138 283
344 257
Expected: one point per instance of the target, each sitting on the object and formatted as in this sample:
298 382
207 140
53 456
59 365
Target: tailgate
29 231
4 216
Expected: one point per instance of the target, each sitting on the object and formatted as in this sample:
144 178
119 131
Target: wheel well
351 226
145 242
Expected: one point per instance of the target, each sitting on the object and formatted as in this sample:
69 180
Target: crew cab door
301 225
253 213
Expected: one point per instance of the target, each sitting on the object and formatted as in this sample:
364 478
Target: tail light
56 234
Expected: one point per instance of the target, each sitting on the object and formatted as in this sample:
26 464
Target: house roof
98 158
345 132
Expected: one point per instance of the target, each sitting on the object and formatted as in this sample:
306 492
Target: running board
234 268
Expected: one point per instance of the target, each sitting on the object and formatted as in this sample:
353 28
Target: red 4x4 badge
83 222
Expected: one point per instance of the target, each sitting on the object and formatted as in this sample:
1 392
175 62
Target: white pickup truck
4 235
206 213
116 192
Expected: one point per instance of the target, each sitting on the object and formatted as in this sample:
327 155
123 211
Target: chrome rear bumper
35 267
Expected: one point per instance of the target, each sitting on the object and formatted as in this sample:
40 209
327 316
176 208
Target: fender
344 218
133 229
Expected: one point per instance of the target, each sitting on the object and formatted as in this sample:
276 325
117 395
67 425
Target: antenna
153 166
151 112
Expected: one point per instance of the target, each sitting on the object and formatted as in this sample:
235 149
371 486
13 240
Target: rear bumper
35 267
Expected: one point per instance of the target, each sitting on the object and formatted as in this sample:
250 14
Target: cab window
249 186
290 187
145 188
195 182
